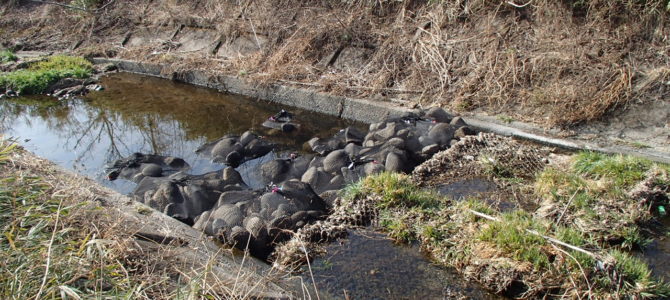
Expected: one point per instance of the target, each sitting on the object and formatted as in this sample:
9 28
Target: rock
234 158
396 143
223 147
403 133
231 175
152 170
413 144
351 176
394 163
374 126
464 131
313 142
352 149
316 162
369 143
271 201
458 122
233 197
329 196
335 160
314 214
353 135
218 227
311 176
302 196
275 170
285 209
63 84
442 133
239 236
133 166
430 149
256 227
230 214
257 148
287 127
247 137
439 115
426 141
109 67
386 133
337 182
281 222
324 147
373 168
94 87
298 216
175 162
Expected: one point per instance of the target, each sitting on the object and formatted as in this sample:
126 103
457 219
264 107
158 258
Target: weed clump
38 77
7 56
397 190
602 195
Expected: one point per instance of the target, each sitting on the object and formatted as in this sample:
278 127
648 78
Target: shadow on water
367 265
150 115
657 253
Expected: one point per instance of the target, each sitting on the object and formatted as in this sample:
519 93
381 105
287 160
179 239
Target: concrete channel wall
362 110
342 107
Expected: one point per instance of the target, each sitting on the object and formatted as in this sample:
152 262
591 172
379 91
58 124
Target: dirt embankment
589 67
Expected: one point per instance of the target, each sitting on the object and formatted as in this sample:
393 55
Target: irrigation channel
136 113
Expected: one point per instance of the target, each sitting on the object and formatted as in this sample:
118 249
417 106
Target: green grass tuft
622 169
397 227
38 77
510 235
7 56
575 238
637 276
398 190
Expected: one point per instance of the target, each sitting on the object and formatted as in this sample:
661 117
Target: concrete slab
353 58
243 46
193 39
145 36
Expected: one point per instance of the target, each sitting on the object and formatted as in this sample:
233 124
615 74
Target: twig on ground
548 238
558 221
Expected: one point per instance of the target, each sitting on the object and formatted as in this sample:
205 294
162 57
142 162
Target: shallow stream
150 115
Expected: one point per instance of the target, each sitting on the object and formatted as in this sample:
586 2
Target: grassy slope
57 242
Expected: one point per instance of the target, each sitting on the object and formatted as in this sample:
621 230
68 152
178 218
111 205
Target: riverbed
136 113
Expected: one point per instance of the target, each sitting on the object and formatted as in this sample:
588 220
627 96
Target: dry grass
557 63
62 238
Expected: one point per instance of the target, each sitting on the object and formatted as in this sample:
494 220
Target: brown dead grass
555 63
99 251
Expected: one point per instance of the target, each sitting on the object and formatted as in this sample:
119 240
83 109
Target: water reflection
144 114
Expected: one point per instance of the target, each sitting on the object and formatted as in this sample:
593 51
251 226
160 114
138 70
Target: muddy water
150 115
